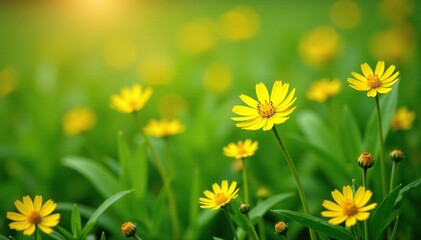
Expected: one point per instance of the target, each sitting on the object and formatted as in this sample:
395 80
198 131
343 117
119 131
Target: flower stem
392 176
261 225
136 237
245 181
297 179
381 155
286 236
230 222
395 228
256 237
365 221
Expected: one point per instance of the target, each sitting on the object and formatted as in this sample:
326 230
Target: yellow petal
372 93
383 90
390 83
391 78
244 111
224 186
379 69
262 93
337 220
51 221
45 229
359 77
268 125
388 72
367 71
232 188
347 191
20 225
359 195
249 101
30 230
362 216
15 216
337 196
331 206
331 214
47 208
37 202
209 194
350 221
216 188
279 92
368 207
22 208
27 201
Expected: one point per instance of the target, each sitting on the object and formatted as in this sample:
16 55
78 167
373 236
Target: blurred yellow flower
119 53
220 196
163 128
348 208
8 81
33 214
156 69
131 99
321 45
379 81
241 149
262 192
217 78
240 23
78 120
402 119
323 90
197 37
170 106
345 14
267 110
395 44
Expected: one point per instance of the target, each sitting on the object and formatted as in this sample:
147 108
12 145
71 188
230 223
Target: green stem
354 229
381 155
392 176
286 236
297 179
230 222
256 237
167 186
365 185
245 181
395 228
136 237
261 225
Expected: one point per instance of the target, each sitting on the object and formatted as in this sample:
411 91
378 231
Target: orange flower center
265 110
220 199
34 217
133 104
374 81
349 208
240 149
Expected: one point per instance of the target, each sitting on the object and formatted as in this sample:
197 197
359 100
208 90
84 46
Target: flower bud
128 229
397 155
244 208
281 227
365 160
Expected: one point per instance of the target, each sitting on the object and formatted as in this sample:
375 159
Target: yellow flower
131 99
34 214
402 119
78 120
379 81
268 110
321 91
241 149
348 208
163 128
220 196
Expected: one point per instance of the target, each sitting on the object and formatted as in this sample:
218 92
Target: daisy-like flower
33 214
348 207
220 196
131 99
379 81
163 128
267 110
402 119
323 90
241 149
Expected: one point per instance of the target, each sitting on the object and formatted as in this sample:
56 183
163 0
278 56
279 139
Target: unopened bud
281 227
128 229
397 155
365 160
244 208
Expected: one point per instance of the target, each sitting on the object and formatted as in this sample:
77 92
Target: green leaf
379 220
194 198
317 224
262 207
62 234
76 223
100 177
103 236
352 140
3 238
405 189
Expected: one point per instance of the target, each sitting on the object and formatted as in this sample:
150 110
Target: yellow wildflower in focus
395 44
163 128
379 81
241 149
8 81
217 78
33 214
220 196
323 90
321 45
78 120
197 37
131 99
345 14
348 207
156 69
267 110
240 23
120 53
402 119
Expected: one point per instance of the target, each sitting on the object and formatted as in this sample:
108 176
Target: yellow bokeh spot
120 53
172 105
240 23
156 69
397 10
197 36
319 46
78 120
345 14
8 81
217 78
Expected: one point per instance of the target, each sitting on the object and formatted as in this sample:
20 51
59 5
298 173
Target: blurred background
58 56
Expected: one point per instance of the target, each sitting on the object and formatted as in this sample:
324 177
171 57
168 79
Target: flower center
240 149
374 81
133 104
349 208
34 217
220 199
265 110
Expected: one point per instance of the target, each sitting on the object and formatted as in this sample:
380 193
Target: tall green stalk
245 181
365 221
230 222
381 154
291 166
